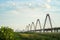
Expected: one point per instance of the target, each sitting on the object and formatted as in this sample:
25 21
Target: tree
6 33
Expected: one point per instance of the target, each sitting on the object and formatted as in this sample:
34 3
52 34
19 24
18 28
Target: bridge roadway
48 29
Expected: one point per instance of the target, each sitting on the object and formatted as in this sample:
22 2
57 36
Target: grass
37 36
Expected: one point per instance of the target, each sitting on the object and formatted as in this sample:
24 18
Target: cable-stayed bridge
34 25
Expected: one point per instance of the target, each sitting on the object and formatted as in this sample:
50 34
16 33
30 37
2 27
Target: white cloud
12 3
30 4
48 1
23 10
13 12
47 6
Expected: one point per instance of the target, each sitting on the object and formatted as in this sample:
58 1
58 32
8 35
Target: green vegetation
39 36
8 34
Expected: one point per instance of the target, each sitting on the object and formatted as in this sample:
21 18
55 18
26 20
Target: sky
19 13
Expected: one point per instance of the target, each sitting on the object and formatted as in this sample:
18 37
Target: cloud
47 6
26 4
11 3
29 11
13 12
48 1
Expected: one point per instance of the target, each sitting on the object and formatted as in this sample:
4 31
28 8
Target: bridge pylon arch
32 26
27 28
47 16
38 21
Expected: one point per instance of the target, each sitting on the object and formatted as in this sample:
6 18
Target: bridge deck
47 29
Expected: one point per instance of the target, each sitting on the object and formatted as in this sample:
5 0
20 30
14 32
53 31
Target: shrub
6 33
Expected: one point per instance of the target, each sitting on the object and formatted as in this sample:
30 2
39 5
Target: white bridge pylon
33 26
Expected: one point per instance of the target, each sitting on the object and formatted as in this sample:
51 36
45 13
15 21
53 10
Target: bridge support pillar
57 30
